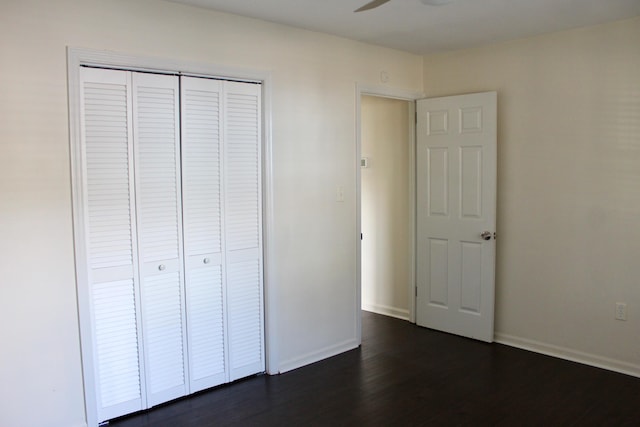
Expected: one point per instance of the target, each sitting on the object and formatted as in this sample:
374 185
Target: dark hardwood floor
404 375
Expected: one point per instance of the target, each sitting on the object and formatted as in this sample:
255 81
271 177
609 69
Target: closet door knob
206 260
161 267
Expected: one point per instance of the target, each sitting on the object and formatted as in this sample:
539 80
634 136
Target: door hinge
416 291
360 236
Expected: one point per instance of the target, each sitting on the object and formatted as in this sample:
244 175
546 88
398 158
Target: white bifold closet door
156 136
171 226
113 346
203 231
222 229
243 224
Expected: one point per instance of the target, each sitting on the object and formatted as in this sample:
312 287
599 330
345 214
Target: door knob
486 235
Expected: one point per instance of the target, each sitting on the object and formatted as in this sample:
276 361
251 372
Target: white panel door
456 203
243 228
203 243
108 266
159 217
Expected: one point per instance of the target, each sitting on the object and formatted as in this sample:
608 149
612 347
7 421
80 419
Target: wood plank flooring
404 375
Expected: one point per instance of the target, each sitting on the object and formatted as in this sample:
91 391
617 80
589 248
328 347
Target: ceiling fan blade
372 5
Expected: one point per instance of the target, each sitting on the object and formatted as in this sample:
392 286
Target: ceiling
412 26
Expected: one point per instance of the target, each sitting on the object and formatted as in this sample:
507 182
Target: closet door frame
77 58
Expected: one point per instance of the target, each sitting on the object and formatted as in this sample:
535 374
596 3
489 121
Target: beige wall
386 257
314 79
568 186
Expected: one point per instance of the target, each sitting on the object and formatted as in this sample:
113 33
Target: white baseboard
398 313
569 354
316 356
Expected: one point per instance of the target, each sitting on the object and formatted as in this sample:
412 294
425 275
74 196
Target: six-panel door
456 203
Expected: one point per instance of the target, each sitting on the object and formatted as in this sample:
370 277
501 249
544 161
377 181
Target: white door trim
77 57
405 95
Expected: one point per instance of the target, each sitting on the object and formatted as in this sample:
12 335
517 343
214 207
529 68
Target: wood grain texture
404 375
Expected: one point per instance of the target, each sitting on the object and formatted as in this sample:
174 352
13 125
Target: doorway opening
385 202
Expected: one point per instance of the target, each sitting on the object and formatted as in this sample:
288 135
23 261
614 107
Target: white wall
386 256
568 186
314 79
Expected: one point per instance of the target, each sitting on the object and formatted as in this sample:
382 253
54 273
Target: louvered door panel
163 331
158 195
205 302
246 355
243 231
116 343
110 240
201 168
203 243
242 165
